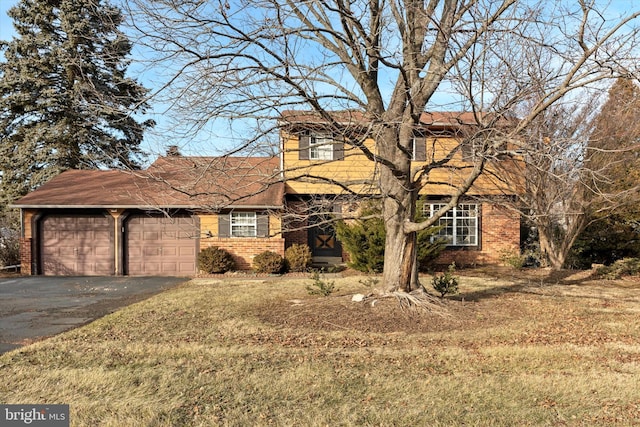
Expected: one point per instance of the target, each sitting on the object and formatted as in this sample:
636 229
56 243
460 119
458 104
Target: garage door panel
169 251
77 245
187 251
156 246
150 235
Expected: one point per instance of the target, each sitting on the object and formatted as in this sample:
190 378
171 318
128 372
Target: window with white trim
321 147
459 225
244 224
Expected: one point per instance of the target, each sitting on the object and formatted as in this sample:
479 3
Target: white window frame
460 225
243 224
413 148
321 147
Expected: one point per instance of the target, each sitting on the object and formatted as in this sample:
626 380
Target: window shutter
468 151
224 225
262 225
338 150
420 149
304 140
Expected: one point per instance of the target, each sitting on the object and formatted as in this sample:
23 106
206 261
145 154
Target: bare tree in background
580 162
249 60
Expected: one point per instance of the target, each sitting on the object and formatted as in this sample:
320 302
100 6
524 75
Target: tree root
418 300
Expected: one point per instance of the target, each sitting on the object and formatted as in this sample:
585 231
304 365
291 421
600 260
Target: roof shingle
170 182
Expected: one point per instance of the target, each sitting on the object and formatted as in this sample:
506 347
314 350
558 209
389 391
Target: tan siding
356 166
208 223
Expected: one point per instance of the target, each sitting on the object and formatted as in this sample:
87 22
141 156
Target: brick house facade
156 221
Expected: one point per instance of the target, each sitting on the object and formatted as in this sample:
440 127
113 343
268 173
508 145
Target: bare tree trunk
548 249
400 246
556 247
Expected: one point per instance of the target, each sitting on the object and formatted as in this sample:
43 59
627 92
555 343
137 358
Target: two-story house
155 221
327 165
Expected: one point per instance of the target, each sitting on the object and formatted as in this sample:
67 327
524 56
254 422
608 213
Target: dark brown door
161 246
323 241
77 245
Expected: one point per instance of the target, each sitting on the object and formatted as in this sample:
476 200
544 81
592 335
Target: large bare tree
246 61
580 163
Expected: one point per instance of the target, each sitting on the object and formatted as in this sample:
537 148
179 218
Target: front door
322 239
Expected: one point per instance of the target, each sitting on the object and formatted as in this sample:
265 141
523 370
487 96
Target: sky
215 137
154 144
6 26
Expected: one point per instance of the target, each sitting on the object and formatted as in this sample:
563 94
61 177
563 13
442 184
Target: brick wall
244 249
500 231
295 231
25 256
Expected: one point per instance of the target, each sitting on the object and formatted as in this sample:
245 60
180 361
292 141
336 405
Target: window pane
243 224
459 225
321 147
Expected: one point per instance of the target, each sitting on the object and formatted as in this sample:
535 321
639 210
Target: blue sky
6 26
214 136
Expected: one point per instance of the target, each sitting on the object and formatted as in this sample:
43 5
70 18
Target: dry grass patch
511 351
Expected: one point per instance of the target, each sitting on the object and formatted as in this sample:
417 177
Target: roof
170 182
435 119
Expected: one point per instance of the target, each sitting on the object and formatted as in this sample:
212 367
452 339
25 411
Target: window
321 147
459 225
244 224
418 149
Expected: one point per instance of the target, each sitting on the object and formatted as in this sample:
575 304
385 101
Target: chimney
173 151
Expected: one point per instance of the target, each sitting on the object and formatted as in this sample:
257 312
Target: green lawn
507 352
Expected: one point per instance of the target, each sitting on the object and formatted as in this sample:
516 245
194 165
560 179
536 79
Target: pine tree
65 102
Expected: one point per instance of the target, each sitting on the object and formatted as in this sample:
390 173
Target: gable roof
170 182
347 117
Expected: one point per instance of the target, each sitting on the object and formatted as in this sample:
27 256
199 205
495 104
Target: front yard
510 349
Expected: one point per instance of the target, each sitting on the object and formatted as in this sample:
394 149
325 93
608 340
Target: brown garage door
158 245
79 245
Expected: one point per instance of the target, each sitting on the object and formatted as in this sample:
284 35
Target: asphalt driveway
35 307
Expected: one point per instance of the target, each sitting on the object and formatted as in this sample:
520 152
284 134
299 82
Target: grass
512 352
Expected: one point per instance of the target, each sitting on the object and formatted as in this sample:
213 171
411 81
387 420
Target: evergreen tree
65 102
613 159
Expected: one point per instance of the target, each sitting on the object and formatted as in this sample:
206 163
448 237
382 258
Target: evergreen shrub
268 262
364 240
298 257
215 260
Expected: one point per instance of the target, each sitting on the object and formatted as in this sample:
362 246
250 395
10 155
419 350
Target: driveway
35 307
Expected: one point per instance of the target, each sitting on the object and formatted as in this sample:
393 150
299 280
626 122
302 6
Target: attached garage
77 245
158 245
146 223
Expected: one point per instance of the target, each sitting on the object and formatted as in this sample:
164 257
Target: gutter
194 207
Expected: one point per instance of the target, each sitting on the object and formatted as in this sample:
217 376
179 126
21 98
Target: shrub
620 268
320 287
9 239
429 250
364 242
446 283
215 260
298 257
513 258
268 262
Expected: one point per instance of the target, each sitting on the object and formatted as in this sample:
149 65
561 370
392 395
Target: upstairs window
418 149
459 225
320 146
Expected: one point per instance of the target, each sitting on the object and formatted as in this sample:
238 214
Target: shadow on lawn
536 281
